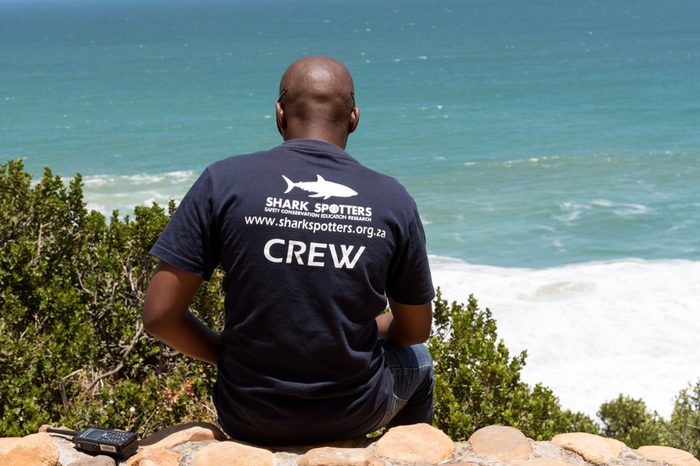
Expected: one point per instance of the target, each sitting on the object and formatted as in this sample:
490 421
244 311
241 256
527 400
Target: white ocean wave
529 160
106 193
593 330
628 210
138 178
601 203
575 210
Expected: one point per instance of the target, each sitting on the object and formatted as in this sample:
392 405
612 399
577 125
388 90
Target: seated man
314 246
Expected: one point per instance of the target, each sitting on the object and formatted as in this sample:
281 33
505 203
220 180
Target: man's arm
166 315
406 324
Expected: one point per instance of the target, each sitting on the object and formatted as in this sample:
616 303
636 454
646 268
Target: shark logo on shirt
320 188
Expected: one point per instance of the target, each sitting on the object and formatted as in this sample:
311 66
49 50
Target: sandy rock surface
199 444
501 442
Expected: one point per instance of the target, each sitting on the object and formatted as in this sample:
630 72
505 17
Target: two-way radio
109 442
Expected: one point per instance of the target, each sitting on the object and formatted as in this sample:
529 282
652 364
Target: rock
357 442
593 448
501 442
539 462
100 460
233 454
416 443
196 444
67 452
286 458
154 457
32 450
329 456
182 433
671 456
545 449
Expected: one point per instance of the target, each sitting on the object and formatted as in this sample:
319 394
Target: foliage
684 426
477 382
72 346
627 420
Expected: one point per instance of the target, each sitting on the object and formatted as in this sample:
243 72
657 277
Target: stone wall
201 444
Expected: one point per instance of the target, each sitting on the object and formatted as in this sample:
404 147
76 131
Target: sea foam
105 193
593 330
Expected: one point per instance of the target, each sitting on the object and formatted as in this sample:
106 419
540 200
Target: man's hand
166 315
406 324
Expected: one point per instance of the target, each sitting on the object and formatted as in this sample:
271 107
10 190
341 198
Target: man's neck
334 138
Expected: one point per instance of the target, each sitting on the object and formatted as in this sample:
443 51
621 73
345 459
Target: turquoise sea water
531 133
555 140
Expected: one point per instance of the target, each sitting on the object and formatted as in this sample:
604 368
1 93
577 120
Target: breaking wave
592 330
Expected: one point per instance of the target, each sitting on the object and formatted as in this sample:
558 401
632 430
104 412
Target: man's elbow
154 321
412 324
416 337
424 335
404 339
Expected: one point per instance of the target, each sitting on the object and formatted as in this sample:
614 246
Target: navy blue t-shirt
311 243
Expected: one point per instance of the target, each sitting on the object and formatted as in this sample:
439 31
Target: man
313 246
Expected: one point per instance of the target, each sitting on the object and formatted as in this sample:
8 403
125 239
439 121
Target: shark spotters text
314 227
276 205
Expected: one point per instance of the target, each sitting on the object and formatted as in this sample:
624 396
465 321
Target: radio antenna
70 433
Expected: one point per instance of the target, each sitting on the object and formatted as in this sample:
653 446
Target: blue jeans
412 368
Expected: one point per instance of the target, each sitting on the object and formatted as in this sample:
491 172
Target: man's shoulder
245 166
241 167
241 159
388 184
379 177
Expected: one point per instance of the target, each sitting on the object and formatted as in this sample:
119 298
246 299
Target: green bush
72 346
477 382
684 426
627 420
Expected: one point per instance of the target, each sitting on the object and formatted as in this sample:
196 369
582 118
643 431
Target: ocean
552 146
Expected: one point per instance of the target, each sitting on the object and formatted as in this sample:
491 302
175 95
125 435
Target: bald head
317 100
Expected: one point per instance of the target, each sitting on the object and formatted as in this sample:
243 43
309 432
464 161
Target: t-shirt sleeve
189 242
409 280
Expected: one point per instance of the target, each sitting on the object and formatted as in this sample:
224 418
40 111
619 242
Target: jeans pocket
393 407
400 403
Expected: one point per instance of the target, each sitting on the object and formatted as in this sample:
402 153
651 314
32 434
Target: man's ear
354 119
281 122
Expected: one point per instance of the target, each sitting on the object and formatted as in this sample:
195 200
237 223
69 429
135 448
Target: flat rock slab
154 457
32 450
539 462
233 454
100 460
501 442
418 443
182 433
329 456
671 456
199 444
593 448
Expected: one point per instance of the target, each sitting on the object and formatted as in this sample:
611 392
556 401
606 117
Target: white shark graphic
320 188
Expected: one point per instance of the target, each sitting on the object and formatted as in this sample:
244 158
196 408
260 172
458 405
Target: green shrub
684 426
72 346
477 382
627 420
